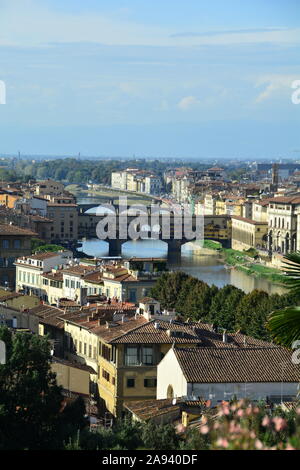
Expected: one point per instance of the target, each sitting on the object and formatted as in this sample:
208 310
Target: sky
192 79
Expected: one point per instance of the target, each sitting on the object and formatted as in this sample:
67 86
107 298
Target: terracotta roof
238 365
7 229
58 276
147 409
146 300
6 295
249 221
286 199
46 255
80 270
52 316
166 333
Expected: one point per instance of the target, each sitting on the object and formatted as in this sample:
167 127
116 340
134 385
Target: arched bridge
215 227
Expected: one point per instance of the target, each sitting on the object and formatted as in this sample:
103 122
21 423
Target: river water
209 268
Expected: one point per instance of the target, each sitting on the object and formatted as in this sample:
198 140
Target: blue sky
167 79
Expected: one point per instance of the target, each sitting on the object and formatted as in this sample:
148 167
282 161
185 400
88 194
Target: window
84 349
147 355
105 375
132 356
90 350
132 295
67 282
17 243
113 380
72 284
130 383
5 243
105 352
150 383
80 346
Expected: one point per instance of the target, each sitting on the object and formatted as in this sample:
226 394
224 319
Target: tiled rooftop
237 365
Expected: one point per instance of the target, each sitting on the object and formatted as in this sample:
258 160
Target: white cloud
188 102
274 85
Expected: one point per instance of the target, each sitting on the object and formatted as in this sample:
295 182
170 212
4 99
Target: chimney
225 337
123 317
156 325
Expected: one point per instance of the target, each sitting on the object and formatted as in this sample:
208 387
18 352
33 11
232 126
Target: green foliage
31 416
284 324
228 307
224 305
36 243
159 437
48 248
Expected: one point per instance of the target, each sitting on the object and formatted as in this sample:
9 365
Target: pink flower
265 421
258 444
240 413
204 429
221 442
280 423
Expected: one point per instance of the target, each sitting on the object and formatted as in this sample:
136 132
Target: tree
251 314
167 288
159 437
284 324
31 415
224 306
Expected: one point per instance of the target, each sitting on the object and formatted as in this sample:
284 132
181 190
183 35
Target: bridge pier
174 250
115 248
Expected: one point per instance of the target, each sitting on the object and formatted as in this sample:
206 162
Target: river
209 268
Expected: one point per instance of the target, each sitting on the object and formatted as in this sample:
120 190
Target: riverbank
245 262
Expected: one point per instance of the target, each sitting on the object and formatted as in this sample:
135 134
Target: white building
218 374
284 224
30 270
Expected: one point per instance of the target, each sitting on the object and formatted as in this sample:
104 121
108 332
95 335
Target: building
283 224
17 301
14 242
72 376
133 179
222 373
49 187
248 233
15 317
30 270
64 227
130 350
9 197
260 210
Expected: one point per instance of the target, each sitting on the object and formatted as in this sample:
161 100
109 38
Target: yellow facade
248 234
113 388
220 207
72 378
9 200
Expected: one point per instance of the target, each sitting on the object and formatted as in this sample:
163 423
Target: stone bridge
216 227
